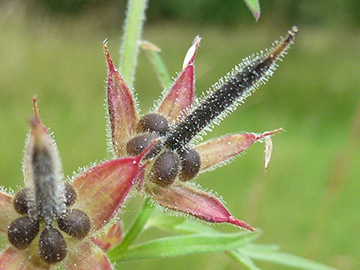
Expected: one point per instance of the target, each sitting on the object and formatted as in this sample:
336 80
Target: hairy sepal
218 151
185 199
103 189
181 95
122 107
7 211
112 238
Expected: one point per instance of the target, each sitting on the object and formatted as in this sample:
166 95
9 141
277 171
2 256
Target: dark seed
21 201
22 231
139 143
190 164
52 246
165 169
70 195
153 123
75 223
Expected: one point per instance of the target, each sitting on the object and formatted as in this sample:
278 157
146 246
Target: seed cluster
168 165
52 245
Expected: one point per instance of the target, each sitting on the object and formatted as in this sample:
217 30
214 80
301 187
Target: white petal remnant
189 57
268 151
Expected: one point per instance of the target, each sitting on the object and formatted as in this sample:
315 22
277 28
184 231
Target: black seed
139 143
70 195
190 164
21 201
75 223
52 246
153 123
22 231
165 169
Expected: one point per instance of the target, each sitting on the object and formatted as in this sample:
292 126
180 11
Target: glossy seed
21 201
190 164
22 231
139 143
70 195
153 123
75 223
165 169
52 246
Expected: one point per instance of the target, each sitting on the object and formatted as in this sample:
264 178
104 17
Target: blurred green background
308 200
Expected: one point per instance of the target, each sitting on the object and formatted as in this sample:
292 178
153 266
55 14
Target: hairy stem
131 39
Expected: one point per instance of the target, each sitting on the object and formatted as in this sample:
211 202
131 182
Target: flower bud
153 123
165 169
75 223
22 231
52 246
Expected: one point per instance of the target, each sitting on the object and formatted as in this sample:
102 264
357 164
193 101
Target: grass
307 201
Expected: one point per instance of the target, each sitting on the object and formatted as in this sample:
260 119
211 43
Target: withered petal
185 199
181 94
86 255
217 151
121 105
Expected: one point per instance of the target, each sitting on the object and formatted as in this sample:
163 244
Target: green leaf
254 7
152 52
260 252
183 245
243 260
182 225
137 227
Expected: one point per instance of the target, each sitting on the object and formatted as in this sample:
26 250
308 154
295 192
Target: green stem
131 39
159 67
135 229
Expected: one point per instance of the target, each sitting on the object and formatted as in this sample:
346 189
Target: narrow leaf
283 259
243 260
138 225
183 245
182 225
152 52
254 7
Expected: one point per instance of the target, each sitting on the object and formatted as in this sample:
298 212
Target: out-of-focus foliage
314 95
222 12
